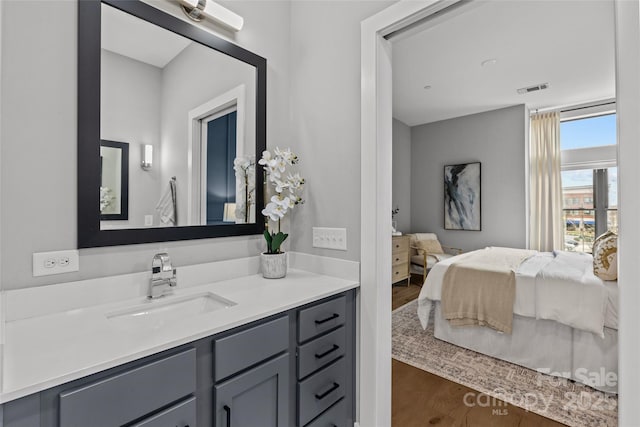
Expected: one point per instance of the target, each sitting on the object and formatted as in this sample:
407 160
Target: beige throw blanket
480 288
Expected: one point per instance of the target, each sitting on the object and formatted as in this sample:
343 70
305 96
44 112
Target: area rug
561 400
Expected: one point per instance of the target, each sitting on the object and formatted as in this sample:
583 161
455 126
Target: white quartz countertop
45 351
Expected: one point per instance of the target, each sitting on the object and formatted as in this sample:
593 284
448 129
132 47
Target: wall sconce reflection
147 156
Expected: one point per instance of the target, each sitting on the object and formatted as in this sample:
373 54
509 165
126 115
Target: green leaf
269 239
278 239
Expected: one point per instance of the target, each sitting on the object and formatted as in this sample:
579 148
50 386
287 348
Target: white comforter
557 286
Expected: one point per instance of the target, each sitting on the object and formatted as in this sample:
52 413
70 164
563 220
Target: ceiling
137 39
566 43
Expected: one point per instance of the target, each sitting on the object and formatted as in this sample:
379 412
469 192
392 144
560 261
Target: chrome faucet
163 276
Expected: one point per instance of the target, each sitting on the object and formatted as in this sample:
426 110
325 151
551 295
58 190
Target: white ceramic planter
274 266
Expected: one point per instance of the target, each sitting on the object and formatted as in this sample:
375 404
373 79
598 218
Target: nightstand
400 259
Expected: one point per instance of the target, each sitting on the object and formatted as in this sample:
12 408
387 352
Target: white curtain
546 227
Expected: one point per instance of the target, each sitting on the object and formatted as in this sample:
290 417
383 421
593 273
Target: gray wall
195 63
38 139
495 138
401 189
313 104
130 112
325 125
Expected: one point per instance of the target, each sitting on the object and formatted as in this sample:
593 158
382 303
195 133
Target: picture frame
462 197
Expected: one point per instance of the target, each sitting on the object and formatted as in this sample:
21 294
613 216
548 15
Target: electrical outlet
47 263
148 220
330 238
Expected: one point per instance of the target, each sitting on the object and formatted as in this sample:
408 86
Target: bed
564 320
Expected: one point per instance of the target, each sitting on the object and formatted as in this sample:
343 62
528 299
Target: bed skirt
543 345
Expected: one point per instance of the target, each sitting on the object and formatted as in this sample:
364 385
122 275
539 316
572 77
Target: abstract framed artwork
462 197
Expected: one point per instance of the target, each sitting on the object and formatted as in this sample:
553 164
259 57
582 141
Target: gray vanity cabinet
325 363
251 369
293 369
131 395
258 397
182 414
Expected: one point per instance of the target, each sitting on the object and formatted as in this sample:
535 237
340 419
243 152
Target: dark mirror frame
124 181
89 45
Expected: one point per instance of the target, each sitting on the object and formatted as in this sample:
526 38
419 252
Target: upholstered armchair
425 251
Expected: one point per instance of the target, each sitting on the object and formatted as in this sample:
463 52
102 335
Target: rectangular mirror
192 108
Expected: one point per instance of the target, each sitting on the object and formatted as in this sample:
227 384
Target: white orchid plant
106 197
245 168
288 186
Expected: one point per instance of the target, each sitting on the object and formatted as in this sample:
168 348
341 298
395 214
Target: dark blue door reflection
221 180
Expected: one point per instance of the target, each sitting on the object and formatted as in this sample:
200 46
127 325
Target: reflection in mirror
114 180
195 107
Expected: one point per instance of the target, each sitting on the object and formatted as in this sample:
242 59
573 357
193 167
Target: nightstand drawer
314 320
399 258
400 244
399 272
320 352
321 390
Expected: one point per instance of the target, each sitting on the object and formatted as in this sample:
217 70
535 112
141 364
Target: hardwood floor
420 398
402 294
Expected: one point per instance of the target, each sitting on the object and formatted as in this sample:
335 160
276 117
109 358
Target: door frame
374 376
196 153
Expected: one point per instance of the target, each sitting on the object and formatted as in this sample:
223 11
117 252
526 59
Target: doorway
376 101
219 149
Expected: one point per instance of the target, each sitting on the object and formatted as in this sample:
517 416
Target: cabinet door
181 415
258 397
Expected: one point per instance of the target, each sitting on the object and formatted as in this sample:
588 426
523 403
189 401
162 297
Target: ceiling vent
535 88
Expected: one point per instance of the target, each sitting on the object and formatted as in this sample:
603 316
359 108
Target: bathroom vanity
278 353
220 346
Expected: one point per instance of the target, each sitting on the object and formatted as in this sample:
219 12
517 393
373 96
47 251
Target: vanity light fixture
197 9
147 156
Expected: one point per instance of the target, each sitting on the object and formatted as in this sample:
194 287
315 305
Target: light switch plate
47 263
330 238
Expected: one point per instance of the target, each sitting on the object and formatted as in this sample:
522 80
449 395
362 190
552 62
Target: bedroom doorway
469 113
376 185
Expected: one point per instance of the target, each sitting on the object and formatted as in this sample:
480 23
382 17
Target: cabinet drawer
336 416
399 272
130 395
181 415
320 352
249 347
400 258
400 244
320 318
321 390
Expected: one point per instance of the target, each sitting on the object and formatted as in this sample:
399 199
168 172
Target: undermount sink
170 309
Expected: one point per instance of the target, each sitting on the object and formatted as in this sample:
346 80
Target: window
589 179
